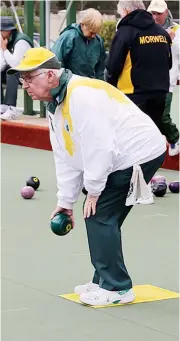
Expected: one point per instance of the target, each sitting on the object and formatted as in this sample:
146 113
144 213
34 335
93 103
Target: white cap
158 6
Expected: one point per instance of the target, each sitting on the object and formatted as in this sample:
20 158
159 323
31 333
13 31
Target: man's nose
25 85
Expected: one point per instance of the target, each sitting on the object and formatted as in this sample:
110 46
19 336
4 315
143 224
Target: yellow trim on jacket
67 127
124 82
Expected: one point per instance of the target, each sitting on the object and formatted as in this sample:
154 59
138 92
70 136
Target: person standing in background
163 17
13 46
140 59
79 47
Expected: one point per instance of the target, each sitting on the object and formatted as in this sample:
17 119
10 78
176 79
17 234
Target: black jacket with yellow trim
140 55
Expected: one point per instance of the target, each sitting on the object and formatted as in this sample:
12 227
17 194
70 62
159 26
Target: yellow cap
36 58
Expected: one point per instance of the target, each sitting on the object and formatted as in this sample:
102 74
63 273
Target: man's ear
51 76
167 12
53 80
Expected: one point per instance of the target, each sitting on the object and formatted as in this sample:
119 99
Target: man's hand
90 205
65 211
4 43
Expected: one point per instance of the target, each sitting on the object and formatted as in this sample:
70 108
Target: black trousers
152 104
12 82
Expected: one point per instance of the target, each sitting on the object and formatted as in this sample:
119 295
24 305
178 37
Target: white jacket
175 70
97 130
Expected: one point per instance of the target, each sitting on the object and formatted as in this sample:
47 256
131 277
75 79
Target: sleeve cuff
94 189
64 204
93 193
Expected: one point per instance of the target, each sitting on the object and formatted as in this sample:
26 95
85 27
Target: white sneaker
11 114
3 108
106 297
147 201
88 287
174 149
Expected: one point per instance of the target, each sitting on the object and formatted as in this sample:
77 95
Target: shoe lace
89 286
12 116
98 292
9 114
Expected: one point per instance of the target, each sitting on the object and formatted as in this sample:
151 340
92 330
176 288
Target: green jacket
15 37
82 56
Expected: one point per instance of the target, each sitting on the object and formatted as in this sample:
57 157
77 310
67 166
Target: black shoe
84 191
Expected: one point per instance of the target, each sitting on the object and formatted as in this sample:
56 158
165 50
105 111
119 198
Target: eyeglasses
28 79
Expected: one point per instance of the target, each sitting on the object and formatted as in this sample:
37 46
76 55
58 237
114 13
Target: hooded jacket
84 57
140 55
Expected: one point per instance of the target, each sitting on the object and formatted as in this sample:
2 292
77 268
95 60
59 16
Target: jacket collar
59 93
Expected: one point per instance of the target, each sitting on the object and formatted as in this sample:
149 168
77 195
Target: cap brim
52 63
20 69
10 28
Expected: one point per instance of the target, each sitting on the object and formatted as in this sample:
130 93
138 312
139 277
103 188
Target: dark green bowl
61 224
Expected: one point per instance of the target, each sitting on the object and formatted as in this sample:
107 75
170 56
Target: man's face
38 84
88 33
6 34
160 18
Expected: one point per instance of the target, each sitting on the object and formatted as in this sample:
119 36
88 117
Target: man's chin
33 96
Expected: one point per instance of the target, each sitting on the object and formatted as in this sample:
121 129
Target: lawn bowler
102 140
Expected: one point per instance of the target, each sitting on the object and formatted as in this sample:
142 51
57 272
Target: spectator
163 17
80 48
13 46
140 59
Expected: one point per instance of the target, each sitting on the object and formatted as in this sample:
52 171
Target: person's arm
117 55
174 72
69 182
170 58
100 66
63 47
97 152
176 45
13 59
169 47
3 63
69 179
177 38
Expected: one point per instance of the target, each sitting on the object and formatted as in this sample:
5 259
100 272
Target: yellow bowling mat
144 293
